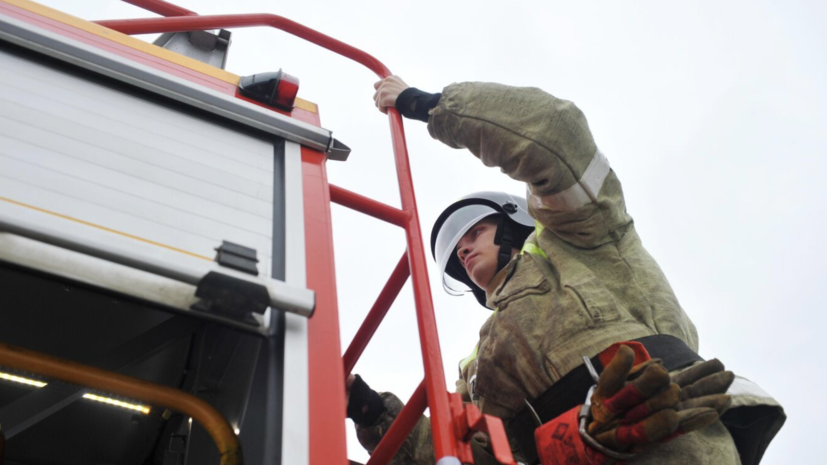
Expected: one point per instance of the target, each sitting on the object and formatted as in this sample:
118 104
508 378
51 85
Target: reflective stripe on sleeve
581 193
744 387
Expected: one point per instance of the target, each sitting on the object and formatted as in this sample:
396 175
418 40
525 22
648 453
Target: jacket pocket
595 299
526 280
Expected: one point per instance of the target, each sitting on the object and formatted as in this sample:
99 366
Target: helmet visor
448 237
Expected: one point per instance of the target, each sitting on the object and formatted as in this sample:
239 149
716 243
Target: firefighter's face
477 252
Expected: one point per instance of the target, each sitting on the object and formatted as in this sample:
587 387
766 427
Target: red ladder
452 423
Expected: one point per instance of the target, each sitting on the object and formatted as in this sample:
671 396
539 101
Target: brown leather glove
637 407
703 388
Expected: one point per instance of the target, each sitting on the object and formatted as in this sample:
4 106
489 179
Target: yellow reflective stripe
533 249
464 363
539 228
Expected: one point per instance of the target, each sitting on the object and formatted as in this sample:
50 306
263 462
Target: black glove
415 104
364 405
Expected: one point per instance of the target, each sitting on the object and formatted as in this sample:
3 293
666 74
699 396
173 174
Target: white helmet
514 227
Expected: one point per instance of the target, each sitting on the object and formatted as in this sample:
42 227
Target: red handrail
369 206
162 8
442 426
202 23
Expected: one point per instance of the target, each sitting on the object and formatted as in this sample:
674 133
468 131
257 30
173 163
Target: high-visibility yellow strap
539 228
532 248
464 363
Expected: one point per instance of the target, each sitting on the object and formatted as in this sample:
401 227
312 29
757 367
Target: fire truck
167 289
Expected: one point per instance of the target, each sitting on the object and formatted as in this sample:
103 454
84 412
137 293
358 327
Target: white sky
713 115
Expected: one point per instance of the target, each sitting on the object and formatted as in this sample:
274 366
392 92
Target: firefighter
567 277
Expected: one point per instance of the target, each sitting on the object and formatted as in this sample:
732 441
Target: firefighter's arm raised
533 137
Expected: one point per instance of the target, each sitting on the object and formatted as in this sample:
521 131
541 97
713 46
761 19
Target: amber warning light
277 89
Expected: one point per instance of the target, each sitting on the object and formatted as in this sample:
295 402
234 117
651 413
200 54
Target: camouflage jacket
588 283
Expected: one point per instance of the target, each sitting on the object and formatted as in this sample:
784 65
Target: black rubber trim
263 422
275 401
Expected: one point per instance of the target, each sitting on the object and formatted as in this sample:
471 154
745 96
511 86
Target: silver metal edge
295 417
282 295
58 261
145 77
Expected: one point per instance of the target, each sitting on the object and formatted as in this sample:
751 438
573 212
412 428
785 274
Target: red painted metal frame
369 206
442 431
450 422
161 7
326 377
467 420
201 23
401 427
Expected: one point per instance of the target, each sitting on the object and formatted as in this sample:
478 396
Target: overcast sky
713 115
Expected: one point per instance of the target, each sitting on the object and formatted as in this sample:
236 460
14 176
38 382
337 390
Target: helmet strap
504 237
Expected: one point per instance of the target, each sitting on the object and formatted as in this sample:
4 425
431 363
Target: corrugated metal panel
101 156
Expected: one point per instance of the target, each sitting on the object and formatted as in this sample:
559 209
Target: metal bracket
231 297
337 151
237 257
203 46
467 420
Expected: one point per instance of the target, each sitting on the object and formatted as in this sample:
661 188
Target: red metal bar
441 424
161 7
467 420
200 23
401 427
368 206
442 432
377 313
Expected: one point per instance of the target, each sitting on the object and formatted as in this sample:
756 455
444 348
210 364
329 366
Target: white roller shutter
79 155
